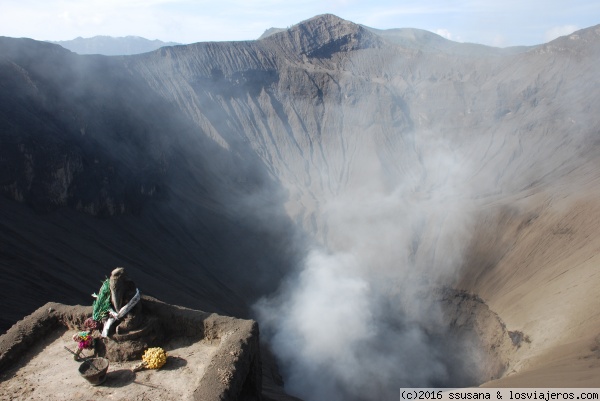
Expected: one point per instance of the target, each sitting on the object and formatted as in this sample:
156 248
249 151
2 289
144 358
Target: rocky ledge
232 369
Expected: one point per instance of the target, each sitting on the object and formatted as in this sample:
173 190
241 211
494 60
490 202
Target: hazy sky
491 22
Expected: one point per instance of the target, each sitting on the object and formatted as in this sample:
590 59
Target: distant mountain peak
323 35
112 46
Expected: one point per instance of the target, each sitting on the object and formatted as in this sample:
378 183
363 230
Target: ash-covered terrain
394 209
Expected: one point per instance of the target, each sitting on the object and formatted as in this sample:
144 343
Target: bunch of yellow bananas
154 358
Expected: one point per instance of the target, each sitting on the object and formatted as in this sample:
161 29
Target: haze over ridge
111 46
399 162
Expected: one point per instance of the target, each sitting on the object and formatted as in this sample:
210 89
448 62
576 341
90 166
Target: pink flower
86 343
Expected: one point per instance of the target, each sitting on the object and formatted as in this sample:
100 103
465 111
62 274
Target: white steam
356 322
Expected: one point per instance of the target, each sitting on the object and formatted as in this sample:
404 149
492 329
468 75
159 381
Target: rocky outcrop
467 316
323 36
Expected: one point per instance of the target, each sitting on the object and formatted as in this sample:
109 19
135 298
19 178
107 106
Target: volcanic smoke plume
357 321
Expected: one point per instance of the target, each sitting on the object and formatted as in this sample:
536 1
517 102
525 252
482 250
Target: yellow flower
154 358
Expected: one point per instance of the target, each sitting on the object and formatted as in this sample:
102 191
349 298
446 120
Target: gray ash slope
316 100
201 167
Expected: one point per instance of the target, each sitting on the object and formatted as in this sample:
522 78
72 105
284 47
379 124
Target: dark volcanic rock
78 132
